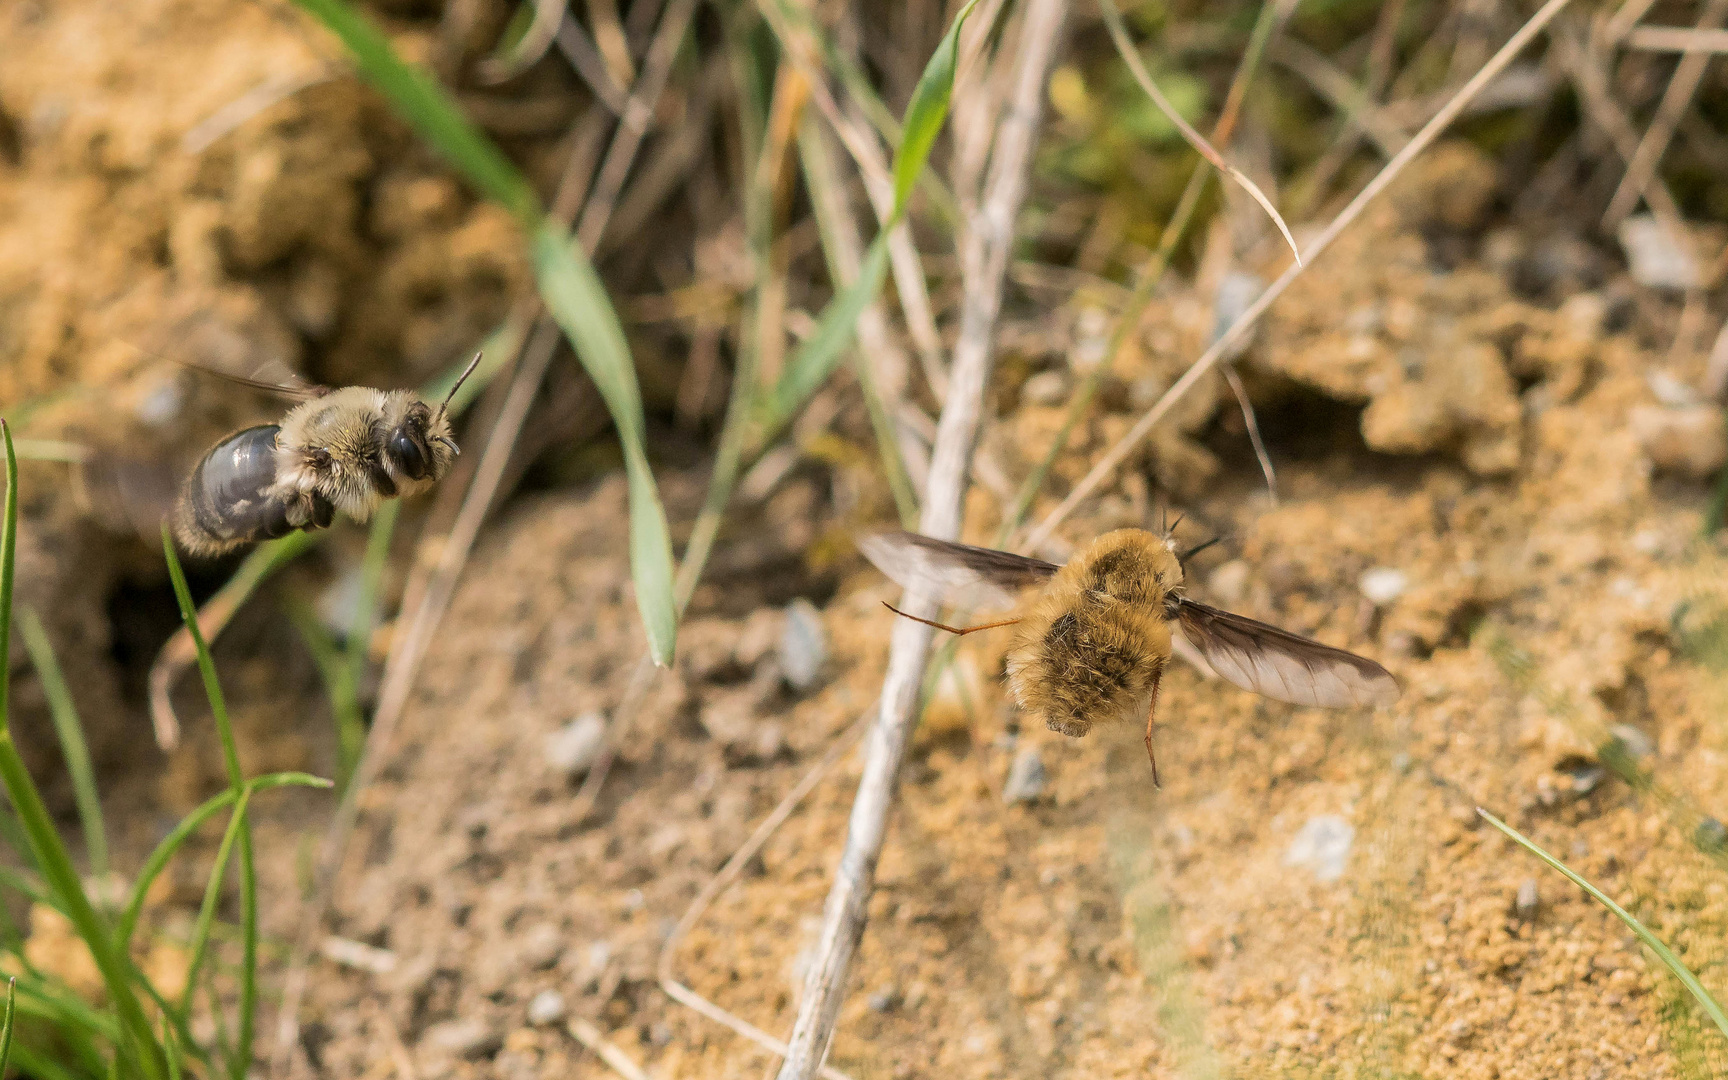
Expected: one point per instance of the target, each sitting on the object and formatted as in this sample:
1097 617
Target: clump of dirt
1310 894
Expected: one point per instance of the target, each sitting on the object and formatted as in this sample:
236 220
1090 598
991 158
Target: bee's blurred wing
973 578
272 377
1281 665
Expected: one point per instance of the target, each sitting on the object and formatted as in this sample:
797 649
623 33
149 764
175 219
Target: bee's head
417 443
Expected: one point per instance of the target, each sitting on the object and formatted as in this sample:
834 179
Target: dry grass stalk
1678 39
1106 466
1131 57
985 251
1589 76
1676 99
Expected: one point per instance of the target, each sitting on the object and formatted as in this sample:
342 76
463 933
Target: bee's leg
1151 708
323 513
955 630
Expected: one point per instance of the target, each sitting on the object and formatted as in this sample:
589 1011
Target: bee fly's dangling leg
957 631
1151 708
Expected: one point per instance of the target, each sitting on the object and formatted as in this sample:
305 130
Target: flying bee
347 449
1094 635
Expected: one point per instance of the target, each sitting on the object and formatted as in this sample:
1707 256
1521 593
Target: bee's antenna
1197 549
469 370
1172 526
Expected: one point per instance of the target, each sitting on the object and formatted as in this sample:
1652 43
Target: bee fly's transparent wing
973 578
1281 665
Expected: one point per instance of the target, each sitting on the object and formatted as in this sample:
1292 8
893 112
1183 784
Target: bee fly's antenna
1172 526
469 370
1197 549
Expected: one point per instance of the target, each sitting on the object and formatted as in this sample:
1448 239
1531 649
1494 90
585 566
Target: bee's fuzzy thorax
1091 646
332 445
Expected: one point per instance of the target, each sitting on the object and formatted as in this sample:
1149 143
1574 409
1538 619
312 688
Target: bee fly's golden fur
1093 644
347 449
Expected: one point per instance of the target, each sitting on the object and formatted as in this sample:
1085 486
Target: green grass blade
340 684
6 1026
811 365
814 361
8 556
576 299
200 942
72 745
171 844
46 847
927 111
1663 953
426 105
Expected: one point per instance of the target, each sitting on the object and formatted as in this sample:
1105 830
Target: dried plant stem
1678 39
1272 15
1238 330
1599 104
985 251
1675 101
1131 57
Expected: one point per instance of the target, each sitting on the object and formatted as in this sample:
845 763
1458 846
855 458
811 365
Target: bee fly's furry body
1094 635
347 449
1093 644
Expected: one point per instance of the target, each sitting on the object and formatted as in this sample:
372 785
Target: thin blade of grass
6 1028
170 844
231 758
200 942
1663 953
927 111
137 1043
576 299
425 105
339 685
1131 57
814 361
72 745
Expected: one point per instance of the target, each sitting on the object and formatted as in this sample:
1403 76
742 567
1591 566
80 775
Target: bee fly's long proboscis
1094 634
337 450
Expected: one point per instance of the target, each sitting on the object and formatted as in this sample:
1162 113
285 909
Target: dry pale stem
985 252
1238 330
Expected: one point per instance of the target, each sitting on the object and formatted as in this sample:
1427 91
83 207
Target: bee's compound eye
408 456
319 458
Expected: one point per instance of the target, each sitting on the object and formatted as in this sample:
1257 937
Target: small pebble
1228 583
1529 900
1045 388
572 748
1383 584
1711 835
1025 777
1690 440
542 946
660 1035
1323 846
1634 743
546 1008
885 999
1584 778
1657 258
803 645
467 1038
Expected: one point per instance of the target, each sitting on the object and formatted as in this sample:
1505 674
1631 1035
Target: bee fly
347 449
1094 635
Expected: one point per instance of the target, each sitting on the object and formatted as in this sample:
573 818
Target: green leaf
576 299
72 745
428 107
1663 953
927 111
6 1030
